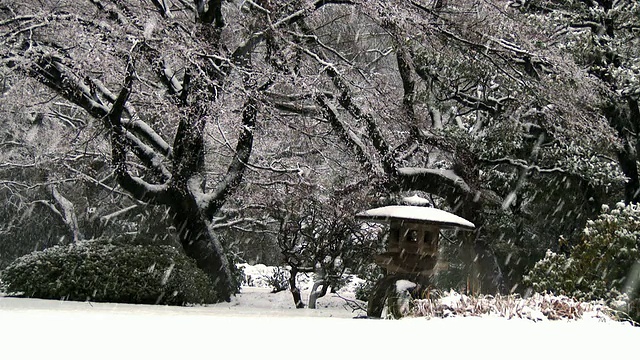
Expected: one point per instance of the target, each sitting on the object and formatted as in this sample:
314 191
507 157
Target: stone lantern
412 245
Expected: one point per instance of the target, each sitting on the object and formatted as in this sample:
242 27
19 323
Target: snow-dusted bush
370 274
538 307
603 265
106 272
555 273
278 280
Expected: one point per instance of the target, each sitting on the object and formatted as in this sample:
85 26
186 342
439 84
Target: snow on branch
100 182
315 5
218 224
135 124
346 101
276 167
119 140
109 217
524 165
212 201
49 69
256 6
169 76
489 105
444 183
28 24
314 38
448 175
65 210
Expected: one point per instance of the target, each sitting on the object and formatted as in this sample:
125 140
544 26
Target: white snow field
257 324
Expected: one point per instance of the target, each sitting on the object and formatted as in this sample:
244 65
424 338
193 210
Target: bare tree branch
68 214
347 135
135 185
164 6
235 171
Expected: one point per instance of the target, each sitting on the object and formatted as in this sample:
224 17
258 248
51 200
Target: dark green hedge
106 272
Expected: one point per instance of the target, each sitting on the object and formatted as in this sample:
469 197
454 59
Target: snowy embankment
260 324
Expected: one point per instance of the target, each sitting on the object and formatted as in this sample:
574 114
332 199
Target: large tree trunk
628 160
482 267
626 122
316 294
295 291
199 243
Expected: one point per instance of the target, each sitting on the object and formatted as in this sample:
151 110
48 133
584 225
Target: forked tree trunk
316 294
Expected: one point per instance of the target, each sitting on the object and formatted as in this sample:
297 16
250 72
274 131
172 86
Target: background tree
167 78
55 180
320 234
602 36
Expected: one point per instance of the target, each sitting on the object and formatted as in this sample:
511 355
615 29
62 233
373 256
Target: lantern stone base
385 292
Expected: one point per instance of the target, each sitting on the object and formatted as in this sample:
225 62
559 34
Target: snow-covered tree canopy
475 103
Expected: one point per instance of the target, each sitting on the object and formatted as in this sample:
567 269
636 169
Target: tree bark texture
625 119
202 245
295 291
318 290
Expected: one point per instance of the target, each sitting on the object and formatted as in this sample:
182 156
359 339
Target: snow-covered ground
259 324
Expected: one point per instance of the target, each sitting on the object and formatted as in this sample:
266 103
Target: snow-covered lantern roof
416 214
414 233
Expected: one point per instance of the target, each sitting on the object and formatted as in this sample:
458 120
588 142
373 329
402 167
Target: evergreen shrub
102 271
278 280
371 275
605 264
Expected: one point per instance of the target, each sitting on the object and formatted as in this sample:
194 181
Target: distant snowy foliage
603 265
596 49
263 276
599 171
105 272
